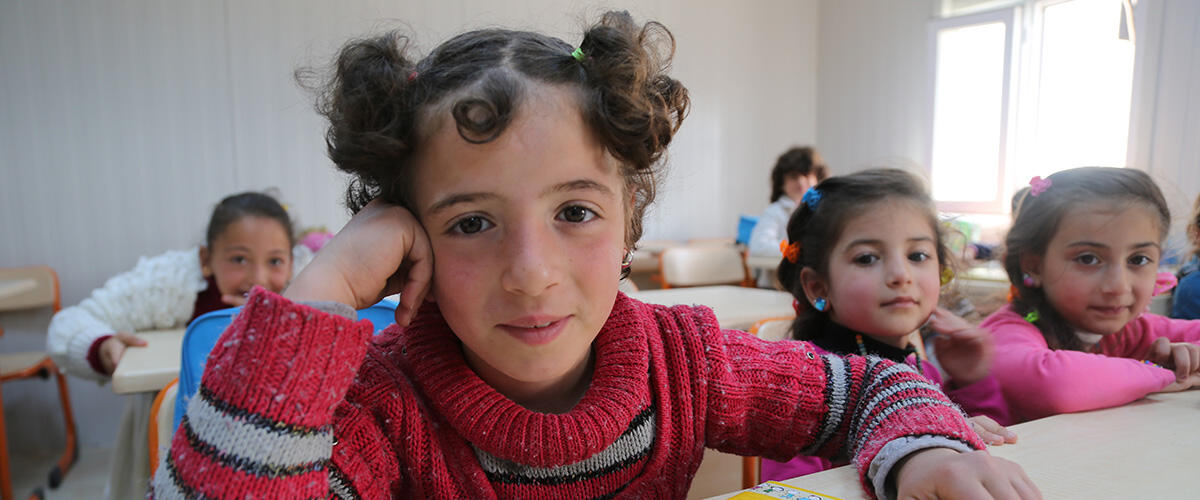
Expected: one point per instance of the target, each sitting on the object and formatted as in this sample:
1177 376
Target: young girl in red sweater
865 258
504 177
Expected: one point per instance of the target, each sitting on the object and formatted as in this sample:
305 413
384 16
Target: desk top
152 367
736 307
1145 449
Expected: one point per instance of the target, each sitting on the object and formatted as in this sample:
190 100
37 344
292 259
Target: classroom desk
736 307
767 263
1145 449
152 367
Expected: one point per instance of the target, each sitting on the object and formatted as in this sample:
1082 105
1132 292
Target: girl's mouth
901 301
1108 310
535 330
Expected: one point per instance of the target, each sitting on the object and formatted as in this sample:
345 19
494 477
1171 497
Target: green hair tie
578 54
1032 316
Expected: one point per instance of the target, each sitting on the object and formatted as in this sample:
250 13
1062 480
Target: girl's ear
815 286
1031 265
205 262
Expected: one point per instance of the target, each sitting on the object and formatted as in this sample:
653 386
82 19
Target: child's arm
160 292
781 399
1038 381
966 352
263 423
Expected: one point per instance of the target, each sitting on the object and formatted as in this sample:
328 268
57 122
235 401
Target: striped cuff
897 449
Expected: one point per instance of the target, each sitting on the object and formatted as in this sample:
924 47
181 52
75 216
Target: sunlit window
1011 103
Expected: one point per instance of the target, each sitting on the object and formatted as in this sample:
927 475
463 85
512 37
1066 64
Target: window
1027 90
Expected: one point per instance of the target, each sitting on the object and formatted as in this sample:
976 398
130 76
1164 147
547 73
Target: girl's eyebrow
575 185
865 241
1144 244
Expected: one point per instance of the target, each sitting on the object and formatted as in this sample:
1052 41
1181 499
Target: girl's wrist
312 285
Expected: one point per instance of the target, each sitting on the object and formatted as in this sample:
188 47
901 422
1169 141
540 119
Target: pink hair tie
1038 185
1164 282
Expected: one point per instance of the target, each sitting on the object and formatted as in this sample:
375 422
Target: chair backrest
202 334
162 423
28 287
696 265
778 328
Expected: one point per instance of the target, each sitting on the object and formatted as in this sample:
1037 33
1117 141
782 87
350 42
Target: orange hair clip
791 251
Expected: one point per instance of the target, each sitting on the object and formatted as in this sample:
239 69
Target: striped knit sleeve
261 424
783 399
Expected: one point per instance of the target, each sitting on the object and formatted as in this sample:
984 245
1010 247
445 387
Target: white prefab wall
123 122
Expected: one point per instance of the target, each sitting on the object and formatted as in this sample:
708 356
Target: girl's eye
918 256
238 259
1140 260
865 259
576 214
472 225
1087 259
277 262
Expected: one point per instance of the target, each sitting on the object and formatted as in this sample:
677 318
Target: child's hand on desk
945 473
382 250
1182 357
963 350
1191 382
991 432
113 348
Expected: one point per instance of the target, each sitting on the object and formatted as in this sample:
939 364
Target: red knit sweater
299 403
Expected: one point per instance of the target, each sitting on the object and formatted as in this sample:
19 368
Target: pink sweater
296 403
1038 381
980 398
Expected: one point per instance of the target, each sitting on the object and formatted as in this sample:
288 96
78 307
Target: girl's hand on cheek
382 250
963 350
1182 357
945 473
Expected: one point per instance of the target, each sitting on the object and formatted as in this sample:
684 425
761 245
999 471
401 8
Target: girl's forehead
547 143
253 231
888 216
1110 219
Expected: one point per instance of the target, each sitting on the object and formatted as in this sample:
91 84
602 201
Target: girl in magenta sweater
504 177
865 259
1082 256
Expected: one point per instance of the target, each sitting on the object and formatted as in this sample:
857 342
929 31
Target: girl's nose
898 272
261 276
532 259
1116 280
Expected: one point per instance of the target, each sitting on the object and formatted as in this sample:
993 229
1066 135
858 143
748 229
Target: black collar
838 339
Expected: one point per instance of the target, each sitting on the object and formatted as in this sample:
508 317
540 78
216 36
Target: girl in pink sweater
503 177
1082 257
865 259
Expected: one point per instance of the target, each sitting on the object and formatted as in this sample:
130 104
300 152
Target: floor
86 479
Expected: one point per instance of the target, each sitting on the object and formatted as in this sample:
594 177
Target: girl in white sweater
249 242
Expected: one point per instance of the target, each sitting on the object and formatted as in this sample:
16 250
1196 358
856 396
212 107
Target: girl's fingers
1182 360
130 339
233 300
418 280
1160 350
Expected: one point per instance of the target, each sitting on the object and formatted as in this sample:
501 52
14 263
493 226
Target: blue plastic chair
202 334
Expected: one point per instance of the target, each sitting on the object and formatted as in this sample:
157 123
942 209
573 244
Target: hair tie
1038 185
578 54
1032 316
412 76
812 197
790 251
947 275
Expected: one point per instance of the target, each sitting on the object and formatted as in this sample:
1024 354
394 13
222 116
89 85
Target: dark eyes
1087 259
472 225
866 259
238 259
576 213
918 256
1140 260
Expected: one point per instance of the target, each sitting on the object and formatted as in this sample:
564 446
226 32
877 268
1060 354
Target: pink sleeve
1140 334
1038 381
982 398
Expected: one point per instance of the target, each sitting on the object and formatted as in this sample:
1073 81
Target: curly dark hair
381 104
1039 217
796 161
843 198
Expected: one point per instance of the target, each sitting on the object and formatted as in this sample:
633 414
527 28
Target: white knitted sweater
159 293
